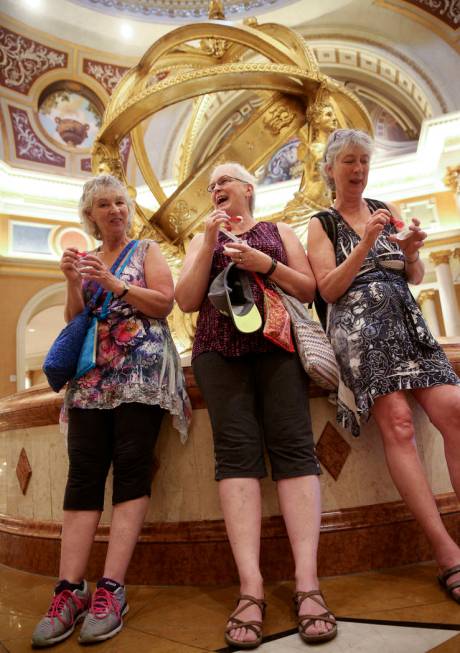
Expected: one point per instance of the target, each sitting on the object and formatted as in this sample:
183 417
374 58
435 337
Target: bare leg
442 405
78 530
242 508
394 419
300 503
127 520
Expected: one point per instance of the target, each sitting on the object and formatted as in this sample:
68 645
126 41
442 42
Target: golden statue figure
322 121
313 194
216 10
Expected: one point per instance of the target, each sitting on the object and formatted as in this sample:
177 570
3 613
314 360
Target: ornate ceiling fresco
181 10
446 10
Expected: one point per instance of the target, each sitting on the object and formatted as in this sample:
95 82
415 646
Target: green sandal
255 626
306 620
450 587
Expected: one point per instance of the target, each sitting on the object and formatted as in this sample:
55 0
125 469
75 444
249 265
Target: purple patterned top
216 332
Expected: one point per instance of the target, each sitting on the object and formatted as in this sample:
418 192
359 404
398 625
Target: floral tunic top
136 360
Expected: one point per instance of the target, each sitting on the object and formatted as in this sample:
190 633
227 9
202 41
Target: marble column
447 295
427 304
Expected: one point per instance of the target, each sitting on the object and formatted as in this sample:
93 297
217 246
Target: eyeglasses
223 181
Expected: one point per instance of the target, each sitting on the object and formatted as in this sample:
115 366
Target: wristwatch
126 287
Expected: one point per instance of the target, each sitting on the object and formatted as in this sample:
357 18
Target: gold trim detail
443 256
426 295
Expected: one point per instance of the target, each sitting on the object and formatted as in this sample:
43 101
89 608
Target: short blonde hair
242 173
338 141
91 188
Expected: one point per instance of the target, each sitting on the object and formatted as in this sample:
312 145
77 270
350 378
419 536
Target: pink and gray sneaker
105 616
67 608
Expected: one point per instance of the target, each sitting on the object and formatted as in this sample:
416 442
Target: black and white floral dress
378 333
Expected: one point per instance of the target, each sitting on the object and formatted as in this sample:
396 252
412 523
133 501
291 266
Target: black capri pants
254 401
124 436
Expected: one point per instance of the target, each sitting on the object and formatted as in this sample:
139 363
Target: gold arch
196 60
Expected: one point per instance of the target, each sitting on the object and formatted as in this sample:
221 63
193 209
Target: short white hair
241 173
339 140
91 188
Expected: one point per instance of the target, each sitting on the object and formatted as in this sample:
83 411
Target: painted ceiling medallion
70 114
181 10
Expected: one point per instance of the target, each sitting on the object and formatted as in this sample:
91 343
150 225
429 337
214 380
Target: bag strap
127 253
259 281
126 249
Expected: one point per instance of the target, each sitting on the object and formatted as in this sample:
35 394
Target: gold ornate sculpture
452 178
216 10
274 72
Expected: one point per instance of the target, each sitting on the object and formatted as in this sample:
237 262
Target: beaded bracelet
272 267
408 260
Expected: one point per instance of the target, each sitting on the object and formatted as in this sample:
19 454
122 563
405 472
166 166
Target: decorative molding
27 144
440 257
85 165
374 44
426 295
198 553
108 75
452 178
188 10
40 413
446 10
23 61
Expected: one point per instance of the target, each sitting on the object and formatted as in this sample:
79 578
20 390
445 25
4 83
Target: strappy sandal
306 620
450 587
255 626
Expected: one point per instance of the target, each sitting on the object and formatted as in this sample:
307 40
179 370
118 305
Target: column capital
442 256
452 178
424 295
457 252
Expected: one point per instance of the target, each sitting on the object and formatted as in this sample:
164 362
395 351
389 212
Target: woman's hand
248 258
375 226
69 264
213 223
410 245
92 268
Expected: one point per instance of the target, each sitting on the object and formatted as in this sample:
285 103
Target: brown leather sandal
306 620
450 587
255 626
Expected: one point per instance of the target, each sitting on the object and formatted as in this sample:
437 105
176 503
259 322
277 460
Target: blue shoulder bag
73 353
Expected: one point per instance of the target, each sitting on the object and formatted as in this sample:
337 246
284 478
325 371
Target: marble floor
399 610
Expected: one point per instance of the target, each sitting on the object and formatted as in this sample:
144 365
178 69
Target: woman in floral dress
114 411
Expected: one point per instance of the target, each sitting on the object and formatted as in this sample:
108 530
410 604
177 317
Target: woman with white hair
257 396
114 410
363 261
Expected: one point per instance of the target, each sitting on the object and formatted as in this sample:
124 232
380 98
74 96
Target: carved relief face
326 119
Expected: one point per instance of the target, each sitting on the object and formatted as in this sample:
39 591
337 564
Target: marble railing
365 525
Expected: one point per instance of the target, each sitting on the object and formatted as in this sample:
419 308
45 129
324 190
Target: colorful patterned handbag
277 322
